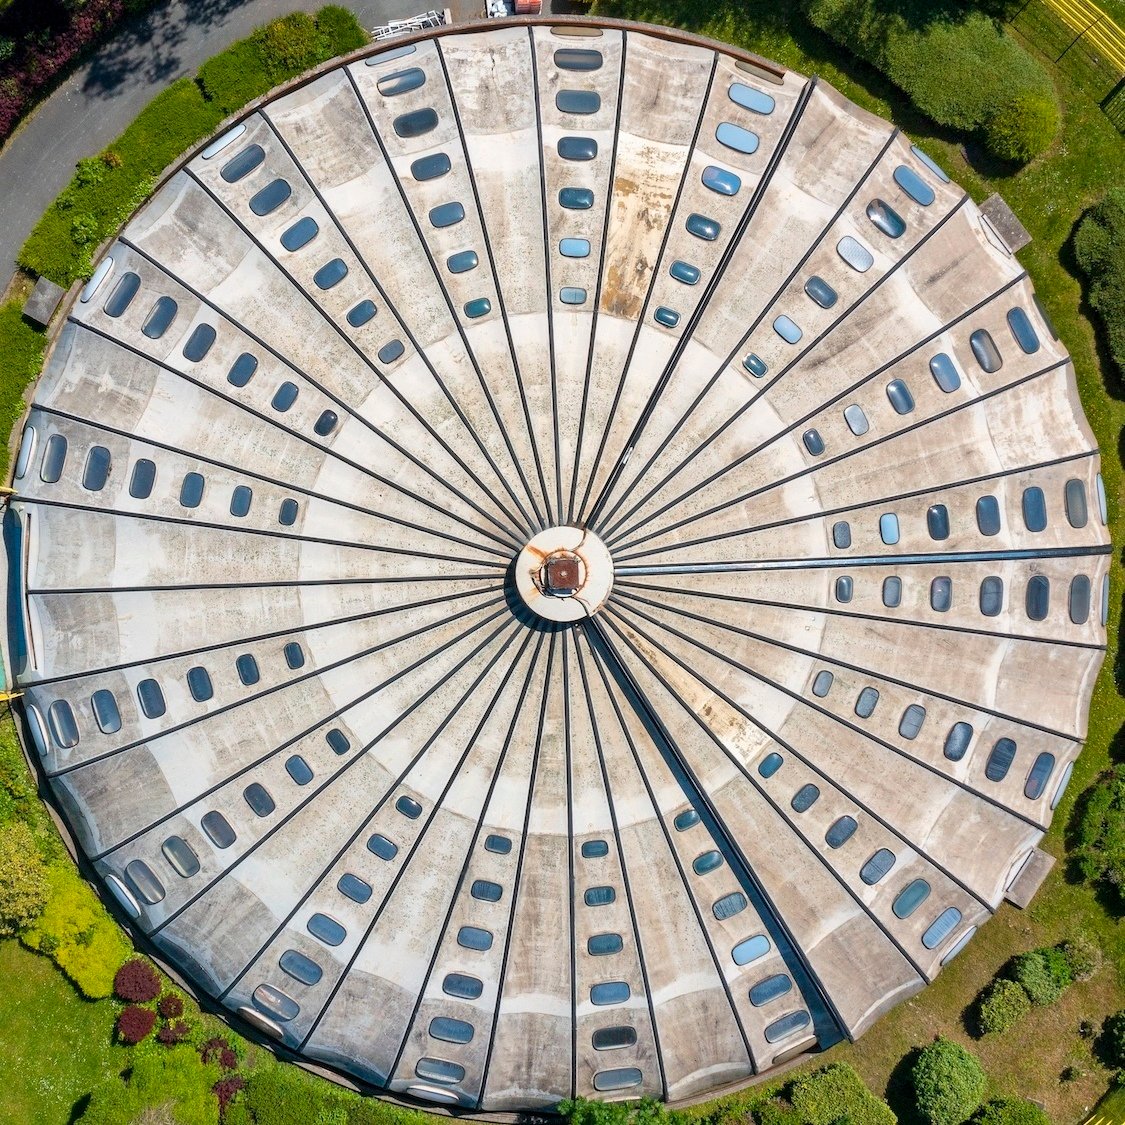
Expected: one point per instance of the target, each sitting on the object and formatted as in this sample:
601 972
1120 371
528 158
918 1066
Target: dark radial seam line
47 591
269 533
768 913
571 515
813 343
502 977
595 728
861 449
339 773
509 529
314 673
390 305
325 450
879 925
548 273
712 286
621 375
416 846
572 883
529 520
499 293
252 475
257 638
469 854
624 593
836 783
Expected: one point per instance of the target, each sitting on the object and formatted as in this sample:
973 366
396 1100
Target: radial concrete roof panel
536 567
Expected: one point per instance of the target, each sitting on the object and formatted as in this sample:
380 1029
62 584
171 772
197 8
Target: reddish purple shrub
226 1088
175 1032
228 1060
212 1049
135 1023
137 981
170 1007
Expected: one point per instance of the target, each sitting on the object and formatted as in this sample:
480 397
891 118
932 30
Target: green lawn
56 1046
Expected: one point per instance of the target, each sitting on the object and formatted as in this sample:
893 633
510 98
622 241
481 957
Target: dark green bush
1004 1003
1022 129
234 77
1112 1042
291 44
1043 974
836 1091
1010 1111
1083 956
948 1083
21 355
1100 247
341 29
775 1113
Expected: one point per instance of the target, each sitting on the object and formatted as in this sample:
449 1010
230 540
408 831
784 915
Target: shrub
170 1006
775 1113
948 1083
225 1090
340 29
836 1091
1112 1041
235 76
1100 247
1022 129
1004 1004
1083 956
176 1083
135 1023
137 981
1043 973
1010 1111
290 45
175 1032
23 879
21 356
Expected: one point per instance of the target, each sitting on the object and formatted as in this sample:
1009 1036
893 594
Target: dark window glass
218 829
159 320
805 798
814 443
353 887
463 261
689 818
750 950
729 905
258 798
326 929
143 882
242 370
737 138
401 82
106 714
842 534
1034 508
287 513
911 722
886 219
786 1026
601 945
770 764
416 123
578 101
910 898
199 342
611 1038
240 500
577 148
270 198
382 847
611 992
574 58
685 272
1023 330
595 849
243 164
703 227
151 699
284 397
708 861
123 293
945 372
985 349
844 588
1038 601
447 214
892 592
500 845
54 457
865 704
359 315
331 273
900 397
599 896
721 181
96 473
431 167
822 684
463 986
821 292
755 365
486 891
338 741
181 855
941 594
937 521
840 832
473 937
298 769
439 1070
988 515
1038 776
294 655
957 741
856 419
942 927
667 317
142 479
60 718
1000 759
770 989
300 234
576 198
247 668
300 967
1079 600
477 308
877 866
992 595
408 807
914 185
1074 494
326 423
199 684
450 1030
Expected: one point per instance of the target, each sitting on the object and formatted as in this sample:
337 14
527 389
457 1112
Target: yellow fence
1089 22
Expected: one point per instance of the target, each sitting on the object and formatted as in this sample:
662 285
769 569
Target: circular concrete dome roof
557 560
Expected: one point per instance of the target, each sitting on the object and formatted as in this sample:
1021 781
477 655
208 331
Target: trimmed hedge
948 1083
1099 244
107 188
1022 129
961 73
23 879
836 1092
1010 1111
1003 1005
1043 973
21 356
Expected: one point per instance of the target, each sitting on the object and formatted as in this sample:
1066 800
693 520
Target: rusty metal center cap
564 573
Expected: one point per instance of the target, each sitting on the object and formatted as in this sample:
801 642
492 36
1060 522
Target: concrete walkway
99 100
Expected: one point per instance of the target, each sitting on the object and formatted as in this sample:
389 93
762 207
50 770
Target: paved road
99 100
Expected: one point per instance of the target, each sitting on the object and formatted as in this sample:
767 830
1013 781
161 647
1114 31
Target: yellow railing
1093 25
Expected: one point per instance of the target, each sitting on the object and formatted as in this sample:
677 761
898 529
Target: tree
23 879
948 1083
1004 1003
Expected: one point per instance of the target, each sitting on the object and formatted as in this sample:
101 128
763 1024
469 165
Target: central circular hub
564 573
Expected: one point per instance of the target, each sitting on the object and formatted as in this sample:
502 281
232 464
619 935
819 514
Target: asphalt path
98 101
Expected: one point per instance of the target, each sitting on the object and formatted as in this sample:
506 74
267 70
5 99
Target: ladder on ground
431 18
